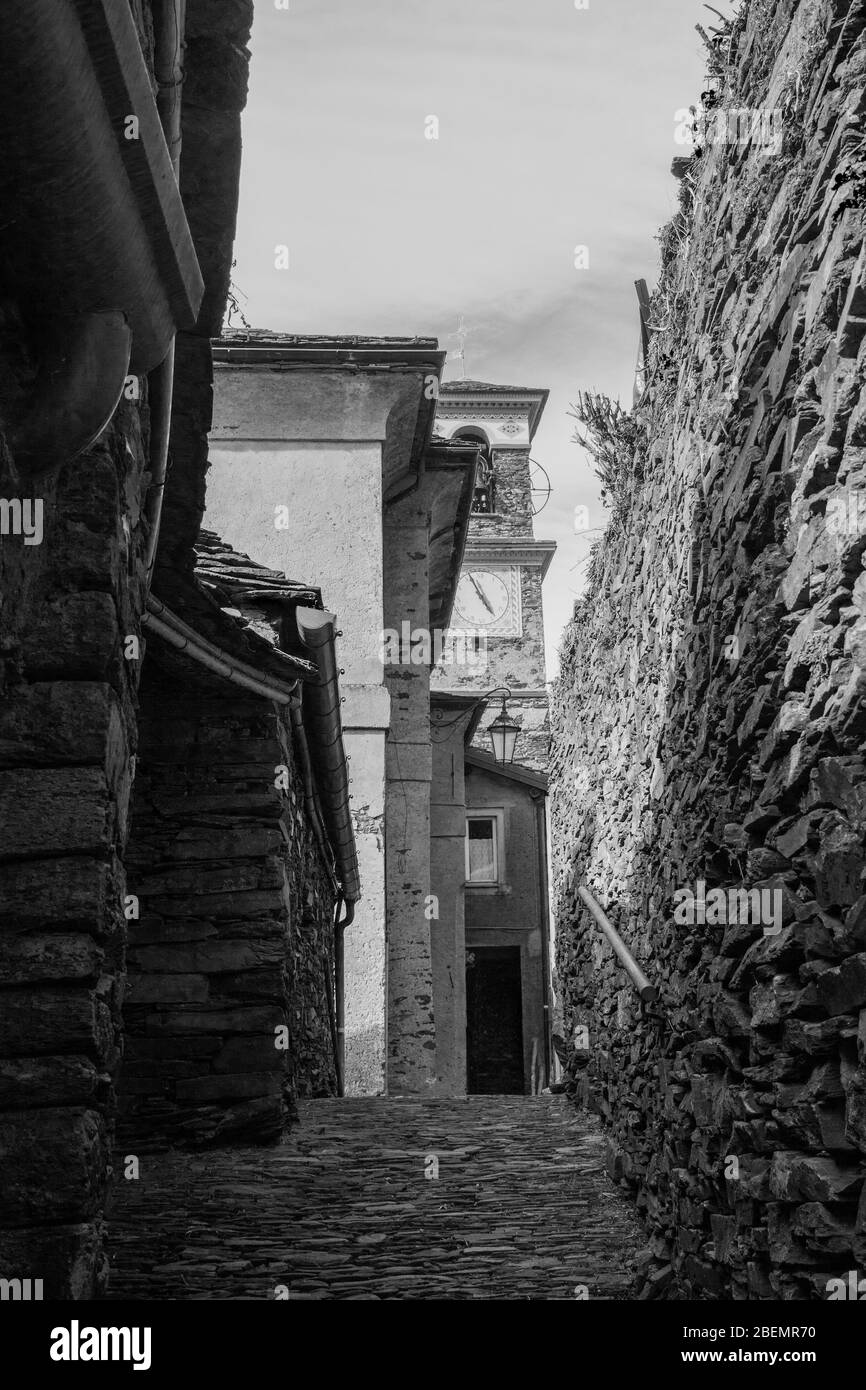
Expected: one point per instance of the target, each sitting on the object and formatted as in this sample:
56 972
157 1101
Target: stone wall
67 737
411 1027
517 663
67 732
447 877
512 497
234 938
708 724
67 716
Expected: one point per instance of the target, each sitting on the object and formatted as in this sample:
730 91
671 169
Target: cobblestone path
521 1209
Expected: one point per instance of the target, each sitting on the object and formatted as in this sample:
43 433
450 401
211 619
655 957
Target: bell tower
497 623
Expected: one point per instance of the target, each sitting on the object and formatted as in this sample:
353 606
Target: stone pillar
447 874
408 772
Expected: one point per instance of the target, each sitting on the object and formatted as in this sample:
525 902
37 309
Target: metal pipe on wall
339 1000
541 831
180 635
311 800
647 992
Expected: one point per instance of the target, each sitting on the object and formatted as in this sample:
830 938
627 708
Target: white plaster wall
365 956
505 429
333 497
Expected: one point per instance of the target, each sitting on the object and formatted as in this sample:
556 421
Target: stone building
321 449
241 848
499 595
502 1008
708 724
333 451
219 679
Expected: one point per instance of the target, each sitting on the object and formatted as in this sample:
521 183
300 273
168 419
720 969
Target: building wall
67 733
331 534
67 727
513 497
234 938
408 765
517 663
709 718
326 443
365 962
447 875
511 915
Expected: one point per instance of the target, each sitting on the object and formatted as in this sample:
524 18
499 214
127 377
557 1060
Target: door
494 1021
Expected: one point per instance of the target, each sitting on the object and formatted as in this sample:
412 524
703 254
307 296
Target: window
483 847
484 498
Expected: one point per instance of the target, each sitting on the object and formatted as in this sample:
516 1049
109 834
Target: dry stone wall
709 722
234 937
68 718
67 735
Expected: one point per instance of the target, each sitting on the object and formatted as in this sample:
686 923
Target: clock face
483 597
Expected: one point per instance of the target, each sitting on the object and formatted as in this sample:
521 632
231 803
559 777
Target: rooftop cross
460 351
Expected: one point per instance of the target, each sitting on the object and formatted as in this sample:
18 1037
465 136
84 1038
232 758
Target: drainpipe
172 629
541 831
339 1029
340 925
316 630
311 800
336 1001
169 18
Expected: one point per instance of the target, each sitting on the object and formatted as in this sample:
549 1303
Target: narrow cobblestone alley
521 1209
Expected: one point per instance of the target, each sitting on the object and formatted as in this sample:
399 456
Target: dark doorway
494 1021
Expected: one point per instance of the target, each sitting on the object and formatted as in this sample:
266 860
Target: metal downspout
311 800
339 984
541 831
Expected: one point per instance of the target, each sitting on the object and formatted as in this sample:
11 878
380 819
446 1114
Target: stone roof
456 388
233 578
240 337
240 604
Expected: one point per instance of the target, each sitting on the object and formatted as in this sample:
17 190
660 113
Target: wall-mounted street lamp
503 731
503 735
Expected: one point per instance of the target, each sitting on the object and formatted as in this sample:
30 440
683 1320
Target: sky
555 131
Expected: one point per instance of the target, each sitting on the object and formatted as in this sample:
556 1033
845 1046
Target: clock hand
481 594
